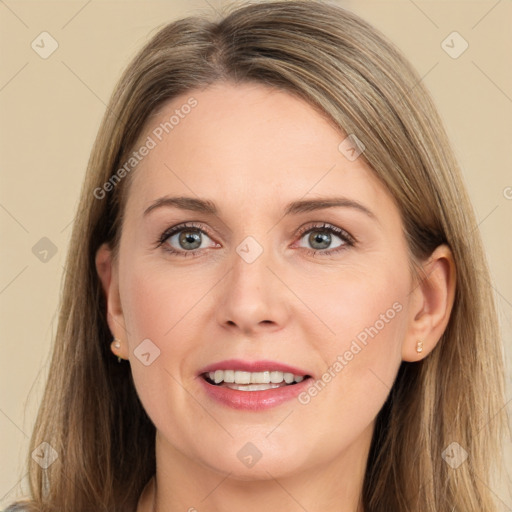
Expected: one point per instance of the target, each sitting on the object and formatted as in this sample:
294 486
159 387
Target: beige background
51 109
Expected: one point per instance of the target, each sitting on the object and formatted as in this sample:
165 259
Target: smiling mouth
252 381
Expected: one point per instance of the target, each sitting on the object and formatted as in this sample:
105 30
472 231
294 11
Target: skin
252 150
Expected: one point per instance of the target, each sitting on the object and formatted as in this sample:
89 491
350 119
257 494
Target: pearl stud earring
116 344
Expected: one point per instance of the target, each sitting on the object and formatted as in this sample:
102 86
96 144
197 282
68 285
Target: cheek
157 302
157 309
360 304
366 313
367 360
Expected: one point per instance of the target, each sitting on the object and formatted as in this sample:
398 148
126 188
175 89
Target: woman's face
244 283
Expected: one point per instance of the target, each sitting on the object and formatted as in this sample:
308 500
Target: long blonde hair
91 414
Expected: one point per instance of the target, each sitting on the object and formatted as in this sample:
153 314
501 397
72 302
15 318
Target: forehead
246 143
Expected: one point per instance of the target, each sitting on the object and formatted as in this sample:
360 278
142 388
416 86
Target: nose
252 298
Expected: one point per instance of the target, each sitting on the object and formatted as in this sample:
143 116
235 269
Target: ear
107 270
431 304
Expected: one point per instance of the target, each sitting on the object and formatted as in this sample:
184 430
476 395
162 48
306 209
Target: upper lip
253 366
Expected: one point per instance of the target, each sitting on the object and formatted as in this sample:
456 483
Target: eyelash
349 240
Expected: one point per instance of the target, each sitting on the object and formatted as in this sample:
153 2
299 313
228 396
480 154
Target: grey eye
321 239
188 239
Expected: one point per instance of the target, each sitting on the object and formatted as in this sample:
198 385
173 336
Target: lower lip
254 400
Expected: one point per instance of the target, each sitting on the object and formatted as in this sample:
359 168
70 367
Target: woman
276 292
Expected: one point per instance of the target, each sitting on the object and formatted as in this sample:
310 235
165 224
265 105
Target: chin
254 460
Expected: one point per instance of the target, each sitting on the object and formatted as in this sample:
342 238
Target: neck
182 484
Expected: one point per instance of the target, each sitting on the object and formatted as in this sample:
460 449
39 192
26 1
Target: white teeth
242 377
253 387
276 377
260 378
229 376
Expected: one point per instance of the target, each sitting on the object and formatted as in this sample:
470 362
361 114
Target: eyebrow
293 208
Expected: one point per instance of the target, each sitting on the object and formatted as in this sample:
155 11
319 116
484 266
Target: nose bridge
250 273
251 294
